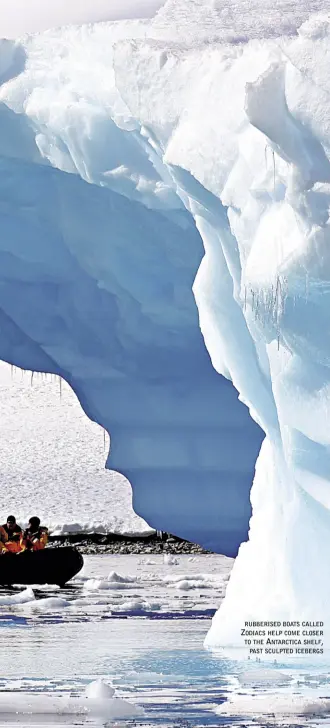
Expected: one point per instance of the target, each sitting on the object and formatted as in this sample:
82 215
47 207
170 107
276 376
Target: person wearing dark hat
35 537
13 532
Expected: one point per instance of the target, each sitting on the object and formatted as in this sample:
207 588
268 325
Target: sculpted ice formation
97 285
233 139
258 139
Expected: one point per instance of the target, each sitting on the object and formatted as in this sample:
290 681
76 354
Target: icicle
245 298
32 374
274 172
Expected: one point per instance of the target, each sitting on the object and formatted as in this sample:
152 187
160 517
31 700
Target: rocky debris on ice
151 545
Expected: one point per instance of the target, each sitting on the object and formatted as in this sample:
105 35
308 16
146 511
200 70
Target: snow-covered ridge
234 139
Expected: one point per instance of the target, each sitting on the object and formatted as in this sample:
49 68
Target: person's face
11 525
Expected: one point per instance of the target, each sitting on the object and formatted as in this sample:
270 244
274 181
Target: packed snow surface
52 461
30 16
124 147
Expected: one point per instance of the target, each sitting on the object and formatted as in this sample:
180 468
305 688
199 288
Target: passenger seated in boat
3 540
13 532
35 537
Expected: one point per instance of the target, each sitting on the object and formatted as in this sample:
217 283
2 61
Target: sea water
137 623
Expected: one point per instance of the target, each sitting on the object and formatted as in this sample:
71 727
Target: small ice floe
187 584
195 581
114 581
99 690
264 676
22 598
170 560
279 705
49 603
96 584
99 700
118 579
136 606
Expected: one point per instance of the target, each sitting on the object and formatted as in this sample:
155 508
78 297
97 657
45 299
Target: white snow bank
58 453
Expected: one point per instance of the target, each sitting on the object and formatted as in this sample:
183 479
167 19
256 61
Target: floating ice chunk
51 603
22 598
186 584
101 701
99 689
280 705
264 676
114 577
96 584
170 560
210 578
98 703
136 606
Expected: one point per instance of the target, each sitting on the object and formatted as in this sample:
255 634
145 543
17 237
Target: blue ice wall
98 289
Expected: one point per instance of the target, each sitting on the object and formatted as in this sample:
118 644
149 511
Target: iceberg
149 166
99 256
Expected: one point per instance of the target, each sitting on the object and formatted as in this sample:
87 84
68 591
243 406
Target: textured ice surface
151 134
233 21
31 16
104 256
245 133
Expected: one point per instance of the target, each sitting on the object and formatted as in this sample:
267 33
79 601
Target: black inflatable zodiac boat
49 566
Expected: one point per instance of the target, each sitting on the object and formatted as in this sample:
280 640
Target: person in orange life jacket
35 537
13 532
3 540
